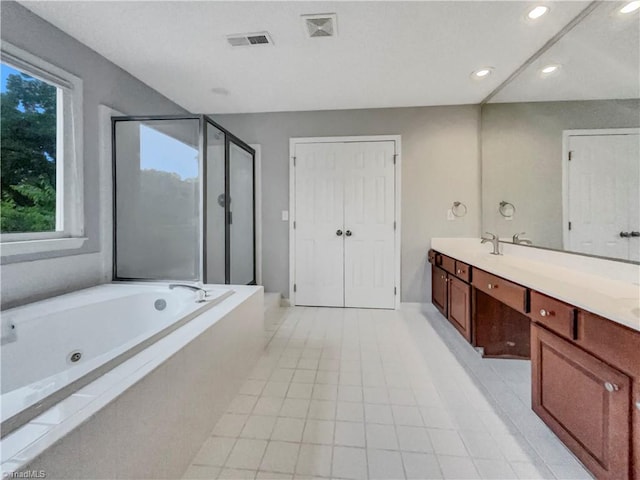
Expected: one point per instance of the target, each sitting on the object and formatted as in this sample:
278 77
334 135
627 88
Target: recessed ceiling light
630 7
482 72
537 12
549 69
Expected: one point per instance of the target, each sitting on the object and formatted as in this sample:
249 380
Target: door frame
257 207
397 139
565 167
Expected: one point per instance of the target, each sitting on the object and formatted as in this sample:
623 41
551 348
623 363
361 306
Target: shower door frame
204 121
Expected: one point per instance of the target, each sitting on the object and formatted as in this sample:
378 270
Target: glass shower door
184 201
215 205
157 192
241 216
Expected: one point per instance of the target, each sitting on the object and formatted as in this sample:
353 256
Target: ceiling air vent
321 25
249 39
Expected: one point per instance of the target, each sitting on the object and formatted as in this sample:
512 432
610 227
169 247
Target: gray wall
440 164
27 278
522 160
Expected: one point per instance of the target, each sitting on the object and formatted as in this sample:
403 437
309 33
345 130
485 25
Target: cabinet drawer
463 271
507 292
555 315
617 345
431 257
449 264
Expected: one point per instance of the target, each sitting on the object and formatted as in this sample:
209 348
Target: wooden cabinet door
439 289
635 429
460 306
584 401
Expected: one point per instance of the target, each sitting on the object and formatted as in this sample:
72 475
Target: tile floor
350 394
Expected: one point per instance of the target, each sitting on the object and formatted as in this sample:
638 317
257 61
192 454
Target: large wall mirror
560 143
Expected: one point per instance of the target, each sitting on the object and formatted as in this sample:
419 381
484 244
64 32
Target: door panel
584 401
319 208
242 264
459 306
369 214
439 289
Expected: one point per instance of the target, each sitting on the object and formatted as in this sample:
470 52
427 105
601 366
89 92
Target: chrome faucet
521 241
494 241
202 293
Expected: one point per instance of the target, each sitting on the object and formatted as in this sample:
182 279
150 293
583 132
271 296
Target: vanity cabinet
488 311
585 368
586 382
450 292
585 401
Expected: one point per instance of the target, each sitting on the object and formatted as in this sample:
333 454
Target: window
41 191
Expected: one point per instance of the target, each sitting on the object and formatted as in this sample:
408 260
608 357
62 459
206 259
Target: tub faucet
494 241
202 293
521 241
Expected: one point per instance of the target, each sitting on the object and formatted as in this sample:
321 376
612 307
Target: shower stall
184 201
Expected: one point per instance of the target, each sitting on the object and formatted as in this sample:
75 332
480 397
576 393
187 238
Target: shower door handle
348 233
339 233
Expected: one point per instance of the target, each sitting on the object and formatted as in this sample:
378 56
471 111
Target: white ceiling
599 58
387 54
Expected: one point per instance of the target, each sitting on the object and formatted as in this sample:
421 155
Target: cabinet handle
490 286
459 271
547 313
638 405
611 387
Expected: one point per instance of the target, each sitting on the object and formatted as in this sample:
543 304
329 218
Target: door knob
348 233
625 234
611 387
339 233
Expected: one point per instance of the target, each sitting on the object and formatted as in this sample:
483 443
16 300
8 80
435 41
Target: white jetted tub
61 355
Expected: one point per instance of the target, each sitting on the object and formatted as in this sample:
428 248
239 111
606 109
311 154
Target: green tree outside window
28 109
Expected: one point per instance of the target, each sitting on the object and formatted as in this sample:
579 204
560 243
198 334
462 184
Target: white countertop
608 297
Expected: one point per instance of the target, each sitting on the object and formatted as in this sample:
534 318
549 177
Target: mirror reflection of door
603 193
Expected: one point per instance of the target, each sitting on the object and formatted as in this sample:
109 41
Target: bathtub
65 359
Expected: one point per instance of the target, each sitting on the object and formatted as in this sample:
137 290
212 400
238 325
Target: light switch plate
285 215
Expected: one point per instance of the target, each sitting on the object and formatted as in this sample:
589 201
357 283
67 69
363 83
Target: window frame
69 233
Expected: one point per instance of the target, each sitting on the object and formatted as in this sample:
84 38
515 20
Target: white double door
604 194
344 231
